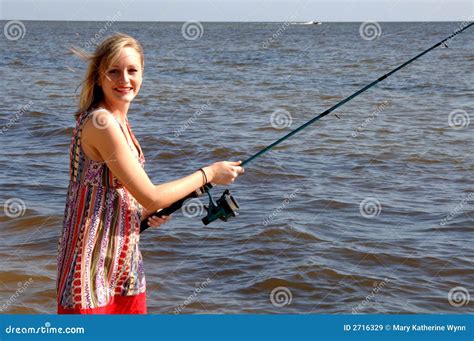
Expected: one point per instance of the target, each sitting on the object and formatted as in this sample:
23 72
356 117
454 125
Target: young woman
100 266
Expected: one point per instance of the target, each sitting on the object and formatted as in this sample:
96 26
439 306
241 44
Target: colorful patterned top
98 254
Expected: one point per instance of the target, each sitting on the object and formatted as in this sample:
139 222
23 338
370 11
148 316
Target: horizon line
250 22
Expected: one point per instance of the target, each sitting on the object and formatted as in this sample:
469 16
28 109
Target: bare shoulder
99 120
101 132
101 124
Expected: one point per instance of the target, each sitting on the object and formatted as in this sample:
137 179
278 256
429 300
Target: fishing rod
226 206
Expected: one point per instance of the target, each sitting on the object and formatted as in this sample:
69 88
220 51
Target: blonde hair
105 54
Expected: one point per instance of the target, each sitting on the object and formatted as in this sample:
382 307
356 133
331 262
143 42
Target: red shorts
118 305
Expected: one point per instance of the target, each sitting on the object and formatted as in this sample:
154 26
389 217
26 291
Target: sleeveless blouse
99 260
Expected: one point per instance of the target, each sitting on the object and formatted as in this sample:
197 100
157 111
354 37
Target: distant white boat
308 23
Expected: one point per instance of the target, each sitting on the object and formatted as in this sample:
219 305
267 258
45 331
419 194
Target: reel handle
174 206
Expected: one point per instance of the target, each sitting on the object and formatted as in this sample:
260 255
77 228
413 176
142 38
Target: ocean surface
368 212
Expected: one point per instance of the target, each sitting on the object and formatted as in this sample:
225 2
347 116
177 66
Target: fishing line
226 206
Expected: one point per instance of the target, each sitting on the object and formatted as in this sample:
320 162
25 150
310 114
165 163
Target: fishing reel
224 208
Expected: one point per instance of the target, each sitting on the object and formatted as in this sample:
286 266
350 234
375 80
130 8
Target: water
369 213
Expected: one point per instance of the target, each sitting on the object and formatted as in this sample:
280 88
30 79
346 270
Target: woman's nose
124 77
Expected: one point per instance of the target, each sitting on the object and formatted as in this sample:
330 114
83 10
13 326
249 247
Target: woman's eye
133 70
113 71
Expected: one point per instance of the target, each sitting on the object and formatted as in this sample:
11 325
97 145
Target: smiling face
122 79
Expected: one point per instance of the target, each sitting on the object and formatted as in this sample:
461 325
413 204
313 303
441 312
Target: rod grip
174 206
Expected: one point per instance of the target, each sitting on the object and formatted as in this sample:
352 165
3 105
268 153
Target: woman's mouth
123 90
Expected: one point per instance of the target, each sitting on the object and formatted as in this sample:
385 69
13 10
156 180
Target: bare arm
108 139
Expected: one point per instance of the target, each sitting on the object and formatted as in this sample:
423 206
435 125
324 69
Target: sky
238 10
